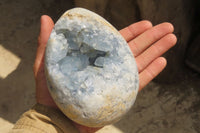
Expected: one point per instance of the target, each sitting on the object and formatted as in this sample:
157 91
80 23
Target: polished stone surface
91 72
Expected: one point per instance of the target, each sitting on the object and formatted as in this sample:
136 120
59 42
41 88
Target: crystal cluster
91 72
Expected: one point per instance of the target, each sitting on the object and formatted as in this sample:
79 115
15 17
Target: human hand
146 42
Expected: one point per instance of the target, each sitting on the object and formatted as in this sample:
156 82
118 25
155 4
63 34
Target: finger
150 36
155 51
135 29
151 71
46 27
45 31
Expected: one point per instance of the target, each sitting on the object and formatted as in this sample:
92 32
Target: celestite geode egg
90 70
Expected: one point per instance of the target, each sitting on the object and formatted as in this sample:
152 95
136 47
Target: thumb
46 27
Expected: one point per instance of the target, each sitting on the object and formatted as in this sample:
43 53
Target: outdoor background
170 104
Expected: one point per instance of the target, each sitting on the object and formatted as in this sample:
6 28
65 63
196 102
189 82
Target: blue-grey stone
91 72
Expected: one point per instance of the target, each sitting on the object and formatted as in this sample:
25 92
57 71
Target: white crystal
91 72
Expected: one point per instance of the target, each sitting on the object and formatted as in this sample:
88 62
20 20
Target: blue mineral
90 70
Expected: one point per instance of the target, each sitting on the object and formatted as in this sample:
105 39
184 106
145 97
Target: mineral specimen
90 70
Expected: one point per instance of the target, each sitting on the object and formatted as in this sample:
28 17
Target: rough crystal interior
90 70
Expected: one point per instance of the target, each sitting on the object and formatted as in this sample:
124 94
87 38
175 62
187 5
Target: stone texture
91 72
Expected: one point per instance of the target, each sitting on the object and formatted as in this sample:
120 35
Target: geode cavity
91 72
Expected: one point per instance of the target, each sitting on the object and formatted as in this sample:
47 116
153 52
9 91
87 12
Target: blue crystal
90 70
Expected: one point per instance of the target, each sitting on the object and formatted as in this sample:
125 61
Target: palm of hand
146 42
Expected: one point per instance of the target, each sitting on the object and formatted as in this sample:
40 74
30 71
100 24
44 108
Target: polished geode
90 70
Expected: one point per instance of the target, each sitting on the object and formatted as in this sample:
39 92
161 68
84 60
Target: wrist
48 102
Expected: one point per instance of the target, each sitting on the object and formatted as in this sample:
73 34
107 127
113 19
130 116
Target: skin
147 43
